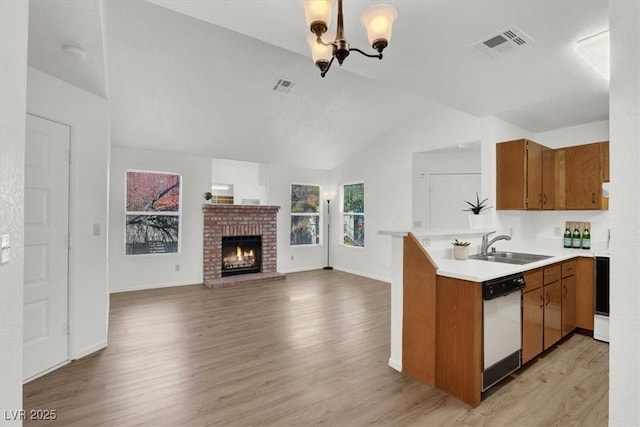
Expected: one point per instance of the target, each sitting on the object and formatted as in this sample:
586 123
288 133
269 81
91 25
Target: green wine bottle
586 239
567 238
576 241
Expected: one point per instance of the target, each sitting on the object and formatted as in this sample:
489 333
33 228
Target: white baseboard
367 275
152 286
45 372
88 350
395 365
300 270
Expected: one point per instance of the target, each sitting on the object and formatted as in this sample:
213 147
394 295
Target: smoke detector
502 41
282 84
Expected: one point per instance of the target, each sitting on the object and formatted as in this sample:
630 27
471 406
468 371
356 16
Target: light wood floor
312 349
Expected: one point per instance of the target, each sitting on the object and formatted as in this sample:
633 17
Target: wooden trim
560 180
459 339
419 312
585 305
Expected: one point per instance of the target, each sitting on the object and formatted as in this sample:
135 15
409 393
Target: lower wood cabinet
585 271
550 304
532 323
568 304
552 314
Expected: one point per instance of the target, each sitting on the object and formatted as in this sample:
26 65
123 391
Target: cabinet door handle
540 199
566 291
544 199
541 301
548 298
593 198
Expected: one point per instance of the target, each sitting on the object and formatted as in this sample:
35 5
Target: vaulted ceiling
197 76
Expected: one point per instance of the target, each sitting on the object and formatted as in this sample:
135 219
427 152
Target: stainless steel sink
510 257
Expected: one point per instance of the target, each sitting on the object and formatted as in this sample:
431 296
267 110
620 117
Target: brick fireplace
239 221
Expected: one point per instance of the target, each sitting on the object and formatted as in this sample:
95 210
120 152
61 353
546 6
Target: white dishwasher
502 328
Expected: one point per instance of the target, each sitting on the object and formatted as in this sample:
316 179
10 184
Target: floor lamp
328 197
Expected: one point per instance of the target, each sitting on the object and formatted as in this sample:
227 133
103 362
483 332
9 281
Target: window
305 214
152 212
353 214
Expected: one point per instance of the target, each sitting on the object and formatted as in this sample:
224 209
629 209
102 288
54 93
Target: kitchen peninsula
437 308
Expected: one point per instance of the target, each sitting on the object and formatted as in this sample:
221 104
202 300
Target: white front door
46 247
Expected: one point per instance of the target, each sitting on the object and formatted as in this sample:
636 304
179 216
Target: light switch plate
96 229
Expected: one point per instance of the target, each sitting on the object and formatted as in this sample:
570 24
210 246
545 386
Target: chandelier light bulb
318 14
378 20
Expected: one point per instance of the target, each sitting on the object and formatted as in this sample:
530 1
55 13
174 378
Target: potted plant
208 197
460 249
475 220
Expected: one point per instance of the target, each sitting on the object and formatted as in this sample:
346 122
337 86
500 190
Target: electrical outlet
177 267
96 229
291 257
557 231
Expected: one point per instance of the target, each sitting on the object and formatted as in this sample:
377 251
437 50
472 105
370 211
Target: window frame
344 214
177 213
319 214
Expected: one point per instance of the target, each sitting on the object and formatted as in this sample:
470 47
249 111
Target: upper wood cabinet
531 176
519 175
548 179
585 173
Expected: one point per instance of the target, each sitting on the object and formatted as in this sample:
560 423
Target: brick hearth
239 220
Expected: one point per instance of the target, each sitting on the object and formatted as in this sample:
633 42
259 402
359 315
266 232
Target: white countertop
479 271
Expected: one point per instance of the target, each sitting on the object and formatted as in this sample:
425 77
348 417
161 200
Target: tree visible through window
305 214
152 213
353 214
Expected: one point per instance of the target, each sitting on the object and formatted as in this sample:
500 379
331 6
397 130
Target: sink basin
510 257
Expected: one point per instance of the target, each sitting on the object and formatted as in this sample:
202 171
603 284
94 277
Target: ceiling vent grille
502 41
282 84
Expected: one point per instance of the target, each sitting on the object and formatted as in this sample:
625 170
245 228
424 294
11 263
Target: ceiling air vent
282 84
500 42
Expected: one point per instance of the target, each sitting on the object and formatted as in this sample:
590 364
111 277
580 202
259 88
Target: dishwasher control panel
502 286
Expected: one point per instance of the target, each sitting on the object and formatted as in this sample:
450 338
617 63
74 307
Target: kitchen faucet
486 242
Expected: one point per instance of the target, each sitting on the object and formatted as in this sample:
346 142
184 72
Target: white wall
297 258
128 273
624 104
249 179
574 135
14 17
426 163
88 117
385 169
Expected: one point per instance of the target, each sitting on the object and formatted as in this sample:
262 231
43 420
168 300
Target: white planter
460 252
476 222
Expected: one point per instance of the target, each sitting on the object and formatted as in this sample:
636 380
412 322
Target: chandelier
377 20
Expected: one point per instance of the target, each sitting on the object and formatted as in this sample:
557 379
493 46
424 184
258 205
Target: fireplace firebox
241 255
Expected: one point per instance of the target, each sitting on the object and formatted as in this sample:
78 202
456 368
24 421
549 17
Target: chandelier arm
379 56
320 41
322 74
